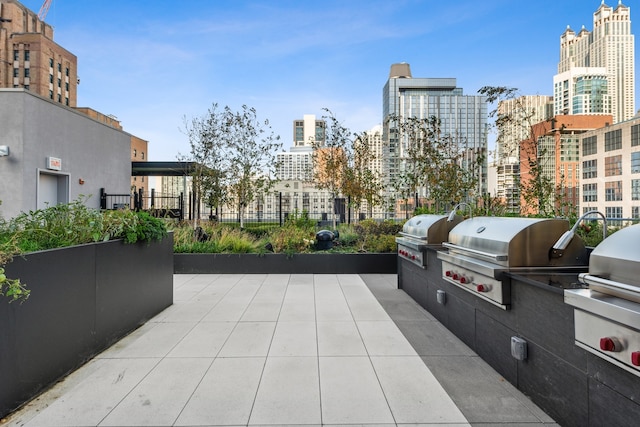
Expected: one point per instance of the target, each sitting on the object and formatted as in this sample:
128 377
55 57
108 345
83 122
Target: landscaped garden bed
366 247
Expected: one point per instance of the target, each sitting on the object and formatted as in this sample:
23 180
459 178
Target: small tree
442 165
361 183
251 148
330 159
525 125
210 161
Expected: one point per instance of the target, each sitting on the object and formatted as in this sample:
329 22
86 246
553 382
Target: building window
613 212
135 152
27 72
635 162
27 55
66 86
613 191
59 67
613 165
59 98
66 71
590 145
635 189
142 155
635 212
590 169
613 140
51 94
50 78
59 83
16 72
590 192
635 135
66 101
16 55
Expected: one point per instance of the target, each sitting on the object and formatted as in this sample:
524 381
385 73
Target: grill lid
617 258
429 228
514 242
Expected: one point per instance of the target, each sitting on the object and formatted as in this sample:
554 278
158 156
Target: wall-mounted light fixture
81 181
4 150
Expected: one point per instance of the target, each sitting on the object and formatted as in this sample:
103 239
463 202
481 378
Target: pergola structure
165 169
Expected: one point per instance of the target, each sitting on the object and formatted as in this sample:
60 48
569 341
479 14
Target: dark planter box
83 299
318 263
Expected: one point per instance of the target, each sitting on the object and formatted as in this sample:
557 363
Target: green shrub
69 225
380 244
220 239
291 239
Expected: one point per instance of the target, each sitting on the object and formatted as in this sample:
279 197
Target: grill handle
610 287
481 254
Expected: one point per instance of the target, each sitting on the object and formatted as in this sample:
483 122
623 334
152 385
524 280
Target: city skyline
150 64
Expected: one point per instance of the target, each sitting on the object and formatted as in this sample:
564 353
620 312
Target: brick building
30 59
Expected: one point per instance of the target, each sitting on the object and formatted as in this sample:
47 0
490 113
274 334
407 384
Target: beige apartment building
610 170
30 59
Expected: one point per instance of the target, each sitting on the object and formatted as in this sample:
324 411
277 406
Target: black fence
157 205
272 208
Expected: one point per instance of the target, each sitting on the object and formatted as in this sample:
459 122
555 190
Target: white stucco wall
34 129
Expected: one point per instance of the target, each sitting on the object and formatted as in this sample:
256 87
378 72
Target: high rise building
582 90
551 154
606 53
461 116
30 59
610 170
297 163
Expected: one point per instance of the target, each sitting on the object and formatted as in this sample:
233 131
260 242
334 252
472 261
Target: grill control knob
635 358
448 273
482 288
456 276
463 279
413 257
610 344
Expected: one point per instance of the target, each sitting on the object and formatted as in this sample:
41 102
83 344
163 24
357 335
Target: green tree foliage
361 183
341 166
330 158
234 154
209 174
251 149
518 123
443 165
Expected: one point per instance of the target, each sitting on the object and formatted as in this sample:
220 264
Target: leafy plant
69 225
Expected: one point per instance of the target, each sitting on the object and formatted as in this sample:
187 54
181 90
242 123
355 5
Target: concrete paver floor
299 349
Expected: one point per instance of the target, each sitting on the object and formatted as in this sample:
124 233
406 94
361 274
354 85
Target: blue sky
151 63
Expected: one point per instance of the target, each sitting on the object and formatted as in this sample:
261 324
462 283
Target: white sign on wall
54 163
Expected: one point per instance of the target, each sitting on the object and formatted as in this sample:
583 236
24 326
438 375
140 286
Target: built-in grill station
607 314
482 249
421 232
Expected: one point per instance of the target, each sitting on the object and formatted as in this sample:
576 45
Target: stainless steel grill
607 314
482 249
422 231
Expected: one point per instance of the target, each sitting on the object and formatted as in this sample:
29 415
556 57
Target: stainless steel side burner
607 314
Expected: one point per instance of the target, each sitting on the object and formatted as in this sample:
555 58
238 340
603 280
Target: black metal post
103 199
280 206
